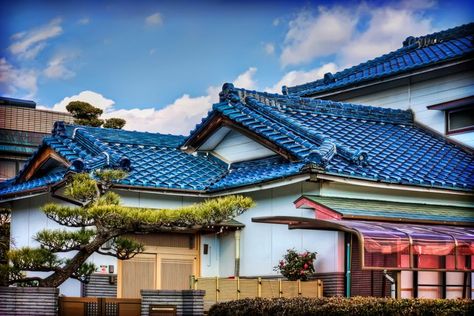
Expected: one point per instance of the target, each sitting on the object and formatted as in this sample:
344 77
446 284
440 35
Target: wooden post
101 306
259 287
238 288
280 292
299 287
320 288
217 289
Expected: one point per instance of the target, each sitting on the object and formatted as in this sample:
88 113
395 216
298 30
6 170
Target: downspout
237 253
393 291
348 267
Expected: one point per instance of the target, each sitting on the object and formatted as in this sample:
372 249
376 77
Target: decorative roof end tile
59 129
329 78
229 93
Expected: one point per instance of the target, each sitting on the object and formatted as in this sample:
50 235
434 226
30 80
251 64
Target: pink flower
305 266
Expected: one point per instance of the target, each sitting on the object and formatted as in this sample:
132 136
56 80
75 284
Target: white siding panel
419 95
390 98
237 147
465 138
393 195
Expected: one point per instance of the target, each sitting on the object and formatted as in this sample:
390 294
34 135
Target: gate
98 306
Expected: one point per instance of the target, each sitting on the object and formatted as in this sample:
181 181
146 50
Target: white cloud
417 5
84 21
387 29
154 19
183 114
276 22
152 51
334 31
297 77
29 43
310 36
269 48
94 98
57 69
178 117
16 81
245 80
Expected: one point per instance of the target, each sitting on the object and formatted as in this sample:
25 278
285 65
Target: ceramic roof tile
335 138
416 53
253 172
395 210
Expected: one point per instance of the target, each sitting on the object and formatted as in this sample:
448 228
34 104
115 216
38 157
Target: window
460 120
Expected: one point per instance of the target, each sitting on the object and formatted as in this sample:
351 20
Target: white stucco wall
27 220
417 96
263 245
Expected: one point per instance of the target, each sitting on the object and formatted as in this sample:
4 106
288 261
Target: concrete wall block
28 301
187 302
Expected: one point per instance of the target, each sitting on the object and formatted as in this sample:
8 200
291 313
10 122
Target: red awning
398 246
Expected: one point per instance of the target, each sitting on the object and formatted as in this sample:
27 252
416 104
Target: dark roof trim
452 104
17 102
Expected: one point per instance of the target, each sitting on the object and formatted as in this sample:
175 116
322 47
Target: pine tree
100 219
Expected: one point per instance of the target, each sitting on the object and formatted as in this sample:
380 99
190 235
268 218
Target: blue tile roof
256 171
341 139
416 53
356 141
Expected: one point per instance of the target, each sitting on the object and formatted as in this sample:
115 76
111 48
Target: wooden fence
98 306
226 289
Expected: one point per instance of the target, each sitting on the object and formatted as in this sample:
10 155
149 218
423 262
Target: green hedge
333 306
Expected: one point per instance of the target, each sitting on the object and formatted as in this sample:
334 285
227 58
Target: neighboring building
431 75
22 128
370 190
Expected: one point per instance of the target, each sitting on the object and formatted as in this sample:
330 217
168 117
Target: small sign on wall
103 269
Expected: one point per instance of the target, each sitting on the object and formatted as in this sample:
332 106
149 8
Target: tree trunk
58 277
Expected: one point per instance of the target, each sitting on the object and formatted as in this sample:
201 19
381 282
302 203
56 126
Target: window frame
459 130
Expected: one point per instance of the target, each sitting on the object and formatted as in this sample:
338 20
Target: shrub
340 306
296 266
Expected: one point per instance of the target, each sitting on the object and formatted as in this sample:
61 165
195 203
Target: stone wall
38 301
187 302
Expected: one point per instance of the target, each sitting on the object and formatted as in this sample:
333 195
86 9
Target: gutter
390 186
26 194
310 176
206 194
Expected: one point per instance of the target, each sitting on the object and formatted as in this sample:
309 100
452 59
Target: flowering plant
296 266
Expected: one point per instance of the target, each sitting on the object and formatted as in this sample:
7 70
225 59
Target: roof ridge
410 44
333 108
104 155
440 36
327 146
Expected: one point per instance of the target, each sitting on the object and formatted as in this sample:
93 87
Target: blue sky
160 64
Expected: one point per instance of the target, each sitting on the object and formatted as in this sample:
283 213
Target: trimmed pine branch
64 240
109 220
123 248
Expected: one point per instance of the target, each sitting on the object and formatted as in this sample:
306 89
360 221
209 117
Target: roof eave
383 80
391 185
